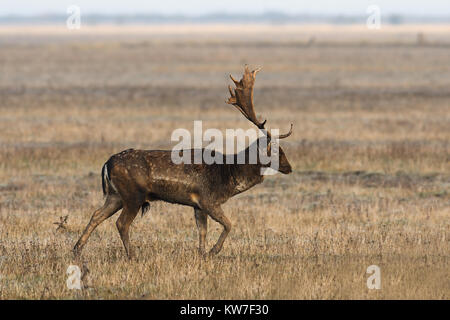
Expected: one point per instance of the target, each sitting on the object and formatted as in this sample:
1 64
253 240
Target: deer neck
245 176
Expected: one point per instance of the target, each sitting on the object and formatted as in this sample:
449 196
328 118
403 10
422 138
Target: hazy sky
198 7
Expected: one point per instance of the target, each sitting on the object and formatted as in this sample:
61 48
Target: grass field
370 155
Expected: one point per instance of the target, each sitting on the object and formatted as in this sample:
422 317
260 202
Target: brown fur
132 179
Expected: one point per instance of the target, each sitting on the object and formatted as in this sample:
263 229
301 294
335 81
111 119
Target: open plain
370 154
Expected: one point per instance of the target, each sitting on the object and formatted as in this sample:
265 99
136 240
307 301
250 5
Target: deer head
242 98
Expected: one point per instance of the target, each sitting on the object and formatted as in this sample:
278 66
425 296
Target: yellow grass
370 153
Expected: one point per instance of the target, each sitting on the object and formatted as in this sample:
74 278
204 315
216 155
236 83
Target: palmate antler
242 98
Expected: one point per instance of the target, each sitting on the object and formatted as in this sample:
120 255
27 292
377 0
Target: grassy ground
370 153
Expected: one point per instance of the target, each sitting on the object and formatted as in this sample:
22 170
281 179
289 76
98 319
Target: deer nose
286 169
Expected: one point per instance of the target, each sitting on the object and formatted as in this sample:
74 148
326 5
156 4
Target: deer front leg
201 219
217 215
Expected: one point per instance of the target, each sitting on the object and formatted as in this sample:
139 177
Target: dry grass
370 154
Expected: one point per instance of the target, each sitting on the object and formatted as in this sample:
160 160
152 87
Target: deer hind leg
201 219
112 204
123 225
217 215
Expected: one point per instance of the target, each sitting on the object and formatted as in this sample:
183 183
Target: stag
132 179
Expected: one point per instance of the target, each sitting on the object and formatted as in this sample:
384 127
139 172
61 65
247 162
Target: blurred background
233 10
366 84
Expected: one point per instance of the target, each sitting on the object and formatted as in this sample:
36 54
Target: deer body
132 179
150 175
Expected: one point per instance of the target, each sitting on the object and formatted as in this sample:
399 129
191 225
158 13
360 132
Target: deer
132 179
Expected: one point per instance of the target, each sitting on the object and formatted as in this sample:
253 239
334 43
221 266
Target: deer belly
174 192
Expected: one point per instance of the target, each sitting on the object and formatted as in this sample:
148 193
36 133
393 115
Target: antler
242 98
282 136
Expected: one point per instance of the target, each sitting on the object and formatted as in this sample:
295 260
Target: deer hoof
213 252
76 252
202 253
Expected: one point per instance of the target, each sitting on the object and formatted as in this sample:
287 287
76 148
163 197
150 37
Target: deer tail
104 178
107 185
145 207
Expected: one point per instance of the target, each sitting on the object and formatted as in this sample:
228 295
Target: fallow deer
132 179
